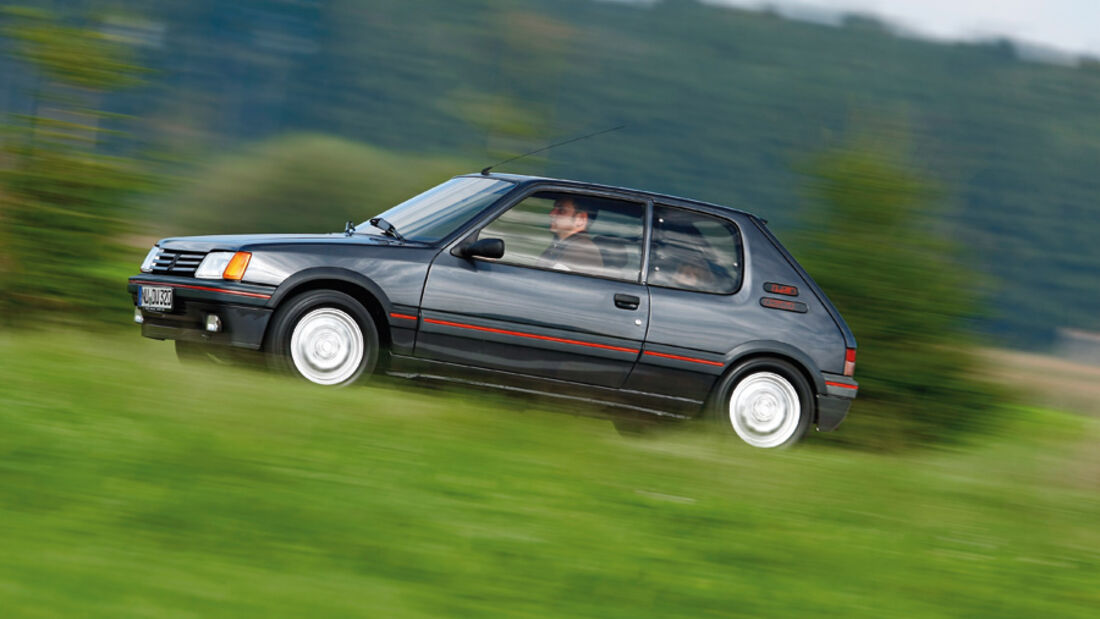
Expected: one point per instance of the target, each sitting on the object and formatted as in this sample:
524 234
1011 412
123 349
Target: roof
527 180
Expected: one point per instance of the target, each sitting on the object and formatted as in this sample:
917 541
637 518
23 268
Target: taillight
850 362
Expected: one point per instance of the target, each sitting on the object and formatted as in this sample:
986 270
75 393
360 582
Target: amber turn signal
237 265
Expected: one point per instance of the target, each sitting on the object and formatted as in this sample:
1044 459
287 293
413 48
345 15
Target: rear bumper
831 410
241 309
833 405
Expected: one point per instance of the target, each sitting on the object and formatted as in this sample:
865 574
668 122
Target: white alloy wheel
765 410
327 346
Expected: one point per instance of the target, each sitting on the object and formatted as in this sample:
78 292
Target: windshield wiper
387 228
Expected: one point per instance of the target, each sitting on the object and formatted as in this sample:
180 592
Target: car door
550 307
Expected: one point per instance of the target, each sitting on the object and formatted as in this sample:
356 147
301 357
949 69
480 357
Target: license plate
155 297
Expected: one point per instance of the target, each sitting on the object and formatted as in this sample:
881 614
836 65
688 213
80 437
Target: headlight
213 265
150 258
223 265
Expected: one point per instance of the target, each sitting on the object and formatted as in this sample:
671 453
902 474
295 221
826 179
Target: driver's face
563 218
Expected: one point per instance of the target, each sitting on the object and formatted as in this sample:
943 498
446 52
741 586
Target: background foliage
300 183
64 197
872 242
719 104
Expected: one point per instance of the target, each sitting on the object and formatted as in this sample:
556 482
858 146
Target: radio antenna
485 172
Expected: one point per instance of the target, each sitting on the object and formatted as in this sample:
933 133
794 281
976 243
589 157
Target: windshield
441 210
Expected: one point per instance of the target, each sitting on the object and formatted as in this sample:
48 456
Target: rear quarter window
694 251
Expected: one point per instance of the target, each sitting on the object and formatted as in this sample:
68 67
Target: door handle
627 301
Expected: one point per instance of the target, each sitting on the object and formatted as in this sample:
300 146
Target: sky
1071 26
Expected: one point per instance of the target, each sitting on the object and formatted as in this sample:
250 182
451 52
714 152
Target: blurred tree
875 243
62 196
302 183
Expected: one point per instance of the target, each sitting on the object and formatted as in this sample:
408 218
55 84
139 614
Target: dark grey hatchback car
643 305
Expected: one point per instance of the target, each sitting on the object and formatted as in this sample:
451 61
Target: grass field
133 486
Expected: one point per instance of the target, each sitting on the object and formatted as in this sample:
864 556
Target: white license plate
155 297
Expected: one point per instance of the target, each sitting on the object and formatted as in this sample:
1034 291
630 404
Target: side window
694 251
572 232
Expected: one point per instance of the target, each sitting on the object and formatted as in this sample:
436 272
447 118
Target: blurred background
940 185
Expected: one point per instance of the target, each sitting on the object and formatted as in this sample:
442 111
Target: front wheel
325 337
766 402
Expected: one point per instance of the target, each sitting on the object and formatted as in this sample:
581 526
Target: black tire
774 406
327 323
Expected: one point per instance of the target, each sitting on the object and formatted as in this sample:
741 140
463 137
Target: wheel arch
355 285
770 350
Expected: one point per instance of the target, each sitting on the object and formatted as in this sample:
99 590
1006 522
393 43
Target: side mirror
485 248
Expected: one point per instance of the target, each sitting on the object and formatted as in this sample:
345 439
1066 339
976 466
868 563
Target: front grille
177 262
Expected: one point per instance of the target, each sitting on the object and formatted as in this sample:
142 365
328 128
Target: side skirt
631 403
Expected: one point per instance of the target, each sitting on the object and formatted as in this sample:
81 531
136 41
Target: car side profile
638 305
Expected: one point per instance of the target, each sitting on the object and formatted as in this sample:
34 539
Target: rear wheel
766 402
325 337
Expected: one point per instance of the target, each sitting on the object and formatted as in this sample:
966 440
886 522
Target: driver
572 248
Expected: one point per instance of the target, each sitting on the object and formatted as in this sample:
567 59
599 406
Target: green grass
133 486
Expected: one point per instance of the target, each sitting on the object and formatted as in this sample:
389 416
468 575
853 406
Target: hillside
720 104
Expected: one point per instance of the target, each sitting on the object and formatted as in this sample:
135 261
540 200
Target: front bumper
242 309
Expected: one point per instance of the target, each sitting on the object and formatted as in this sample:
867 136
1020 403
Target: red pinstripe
239 293
529 335
682 358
